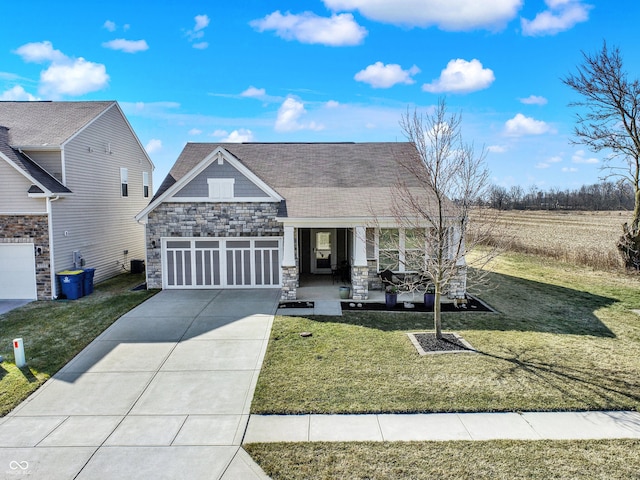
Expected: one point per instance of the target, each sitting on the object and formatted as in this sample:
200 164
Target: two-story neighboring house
73 175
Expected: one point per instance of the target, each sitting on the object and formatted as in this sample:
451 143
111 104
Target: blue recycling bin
87 282
71 283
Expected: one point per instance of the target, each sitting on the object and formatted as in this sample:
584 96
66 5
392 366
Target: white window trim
219 186
145 185
124 180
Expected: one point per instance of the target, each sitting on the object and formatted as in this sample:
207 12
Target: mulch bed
296 305
473 305
448 343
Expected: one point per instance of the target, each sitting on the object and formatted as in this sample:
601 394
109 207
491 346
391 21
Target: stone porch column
289 267
360 268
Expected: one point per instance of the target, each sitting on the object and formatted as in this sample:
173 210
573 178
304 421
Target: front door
323 254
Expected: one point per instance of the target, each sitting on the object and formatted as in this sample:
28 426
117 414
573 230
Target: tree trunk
629 247
437 319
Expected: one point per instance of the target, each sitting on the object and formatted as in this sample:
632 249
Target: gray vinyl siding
199 188
50 161
14 198
96 219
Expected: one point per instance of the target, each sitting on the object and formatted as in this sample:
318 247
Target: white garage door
221 262
17 271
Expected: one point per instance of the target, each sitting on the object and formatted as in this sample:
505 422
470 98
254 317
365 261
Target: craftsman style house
259 215
72 177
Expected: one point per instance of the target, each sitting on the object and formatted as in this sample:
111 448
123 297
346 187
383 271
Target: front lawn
565 338
56 331
495 460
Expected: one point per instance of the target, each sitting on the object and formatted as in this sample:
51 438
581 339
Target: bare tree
610 124
443 182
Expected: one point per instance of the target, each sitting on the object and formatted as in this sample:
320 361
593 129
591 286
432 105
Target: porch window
389 249
401 250
414 247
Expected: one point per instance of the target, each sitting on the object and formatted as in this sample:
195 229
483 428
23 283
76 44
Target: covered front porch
318 259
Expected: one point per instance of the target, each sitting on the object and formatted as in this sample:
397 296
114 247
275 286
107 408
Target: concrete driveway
163 393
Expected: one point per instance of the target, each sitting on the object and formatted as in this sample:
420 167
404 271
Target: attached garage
18 276
221 262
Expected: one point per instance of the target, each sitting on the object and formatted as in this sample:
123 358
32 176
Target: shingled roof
47 123
317 180
33 171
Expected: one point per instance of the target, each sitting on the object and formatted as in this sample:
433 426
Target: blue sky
325 70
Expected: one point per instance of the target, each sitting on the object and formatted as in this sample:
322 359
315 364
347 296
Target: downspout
54 284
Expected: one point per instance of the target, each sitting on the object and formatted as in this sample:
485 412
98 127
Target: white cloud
332 104
461 76
579 157
17 93
202 22
65 76
338 30
560 16
289 115
496 148
127 46
386 76
254 92
197 32
74 78
109 25
547 163
521 125
569 169
452 15
194 132
239 136
40 52
153 145
534 100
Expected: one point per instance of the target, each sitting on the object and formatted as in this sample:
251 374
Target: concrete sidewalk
163 393
443 426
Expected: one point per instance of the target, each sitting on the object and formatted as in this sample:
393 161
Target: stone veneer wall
31 229
205 220
289 283
458 285
359 283
375 282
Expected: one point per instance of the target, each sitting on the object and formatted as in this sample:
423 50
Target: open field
585 238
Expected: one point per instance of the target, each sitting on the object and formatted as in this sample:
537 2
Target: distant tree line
606 195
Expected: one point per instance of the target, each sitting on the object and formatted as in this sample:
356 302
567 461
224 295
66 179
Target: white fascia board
343 222
46 192
219 152
224 200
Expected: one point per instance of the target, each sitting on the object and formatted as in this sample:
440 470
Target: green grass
495 460
565 338
55 331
